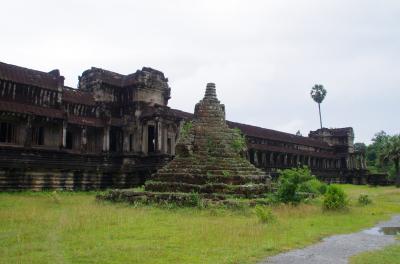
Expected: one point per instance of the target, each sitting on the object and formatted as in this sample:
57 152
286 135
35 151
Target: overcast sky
264 56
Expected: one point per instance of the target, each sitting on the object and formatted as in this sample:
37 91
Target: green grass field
74 228
388 255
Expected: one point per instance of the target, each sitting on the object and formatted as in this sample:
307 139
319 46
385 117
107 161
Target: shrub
335 198
196 200
363 199
185 129
297 184
313 186
226 173
239 142
264 214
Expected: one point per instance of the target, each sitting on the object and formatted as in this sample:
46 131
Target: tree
318 94
390 151
360 147
373 152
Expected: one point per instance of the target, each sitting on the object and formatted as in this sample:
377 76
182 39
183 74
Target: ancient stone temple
208 158
115 130
208 162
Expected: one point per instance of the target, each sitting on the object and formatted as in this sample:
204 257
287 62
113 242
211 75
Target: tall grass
74 228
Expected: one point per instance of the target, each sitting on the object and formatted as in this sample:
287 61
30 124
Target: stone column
159 137
165 136
106 139
125 145
64 134
84 138
271 159
173 145
364 163
28 132
264 159
285 160
255 158
144 138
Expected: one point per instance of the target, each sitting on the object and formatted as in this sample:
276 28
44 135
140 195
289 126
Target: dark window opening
131 142
169 146
259 158
38 135
343 163
151 139
7 133
251 156
115 140
69 140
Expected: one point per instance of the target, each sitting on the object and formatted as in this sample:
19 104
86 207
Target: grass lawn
388 255
74 228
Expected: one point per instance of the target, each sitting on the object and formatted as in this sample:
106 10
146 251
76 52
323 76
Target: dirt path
337 249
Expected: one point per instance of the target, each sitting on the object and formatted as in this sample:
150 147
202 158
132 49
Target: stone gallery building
115 130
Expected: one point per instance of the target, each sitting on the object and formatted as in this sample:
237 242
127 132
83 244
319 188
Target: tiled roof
30 109
77 96
291 151
264 133
181 114
30 77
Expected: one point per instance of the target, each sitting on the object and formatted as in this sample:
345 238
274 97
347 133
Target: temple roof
120 80
264 133
30 109
338 132
47 80
77 96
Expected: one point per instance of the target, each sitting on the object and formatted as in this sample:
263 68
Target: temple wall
35 169
151 96
116 128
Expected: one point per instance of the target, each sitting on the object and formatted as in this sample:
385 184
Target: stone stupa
208 161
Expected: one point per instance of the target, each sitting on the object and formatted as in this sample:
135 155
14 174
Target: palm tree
391 152
318 93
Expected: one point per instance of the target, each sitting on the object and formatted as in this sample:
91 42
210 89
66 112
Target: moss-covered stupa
208 161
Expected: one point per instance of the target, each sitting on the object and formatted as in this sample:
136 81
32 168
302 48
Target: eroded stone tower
208 158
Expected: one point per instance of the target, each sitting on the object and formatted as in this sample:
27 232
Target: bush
363 199
313 186
196 201
298 184
239 142
226 173
185 129
335 198
264 214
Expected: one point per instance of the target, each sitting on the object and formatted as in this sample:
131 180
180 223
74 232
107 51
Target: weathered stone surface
208 161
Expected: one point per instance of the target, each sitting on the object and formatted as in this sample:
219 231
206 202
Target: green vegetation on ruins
66 227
